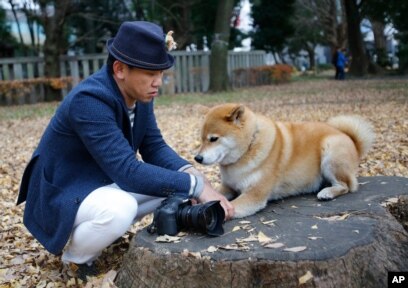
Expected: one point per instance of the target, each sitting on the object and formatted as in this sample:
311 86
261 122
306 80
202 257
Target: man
84 185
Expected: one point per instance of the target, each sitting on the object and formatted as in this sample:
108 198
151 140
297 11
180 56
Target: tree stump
352 241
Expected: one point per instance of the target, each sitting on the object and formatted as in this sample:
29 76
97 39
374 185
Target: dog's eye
213 139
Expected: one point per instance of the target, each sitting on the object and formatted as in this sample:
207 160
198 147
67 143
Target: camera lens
210 218
206 217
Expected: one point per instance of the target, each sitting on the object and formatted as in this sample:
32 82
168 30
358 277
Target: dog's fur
262 160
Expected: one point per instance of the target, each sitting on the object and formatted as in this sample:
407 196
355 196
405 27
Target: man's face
137 84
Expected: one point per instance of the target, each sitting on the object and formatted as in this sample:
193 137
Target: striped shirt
196 181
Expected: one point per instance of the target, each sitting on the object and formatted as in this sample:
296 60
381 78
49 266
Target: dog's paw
325 195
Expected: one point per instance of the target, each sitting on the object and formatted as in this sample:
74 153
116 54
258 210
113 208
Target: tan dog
262 160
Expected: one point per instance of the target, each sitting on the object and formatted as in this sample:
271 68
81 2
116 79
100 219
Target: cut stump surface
352 241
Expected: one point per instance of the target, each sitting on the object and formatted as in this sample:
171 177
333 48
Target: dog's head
225 134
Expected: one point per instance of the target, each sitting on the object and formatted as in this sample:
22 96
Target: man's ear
235 115
119 69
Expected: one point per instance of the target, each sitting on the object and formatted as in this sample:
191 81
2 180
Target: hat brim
139 64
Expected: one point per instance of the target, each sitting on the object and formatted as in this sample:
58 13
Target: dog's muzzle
199 158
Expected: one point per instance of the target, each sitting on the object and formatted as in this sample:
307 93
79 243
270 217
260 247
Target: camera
175 214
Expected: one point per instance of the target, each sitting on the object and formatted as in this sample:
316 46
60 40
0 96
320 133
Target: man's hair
109 63
111 60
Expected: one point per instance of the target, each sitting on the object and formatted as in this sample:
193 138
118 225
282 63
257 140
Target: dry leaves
305 278
25 263
295 249
168 239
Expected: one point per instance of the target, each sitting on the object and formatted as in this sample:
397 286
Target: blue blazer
89 143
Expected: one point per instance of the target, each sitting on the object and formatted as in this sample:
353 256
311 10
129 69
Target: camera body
175 214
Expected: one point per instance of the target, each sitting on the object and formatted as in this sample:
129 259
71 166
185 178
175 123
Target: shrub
28 90
262 75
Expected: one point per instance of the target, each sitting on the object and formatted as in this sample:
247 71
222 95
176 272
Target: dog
261 160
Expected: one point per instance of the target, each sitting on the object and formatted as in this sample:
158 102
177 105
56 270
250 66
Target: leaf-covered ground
25 263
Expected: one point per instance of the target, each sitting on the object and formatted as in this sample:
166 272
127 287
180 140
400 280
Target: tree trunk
54 42
380 43
350 242
20 35
359 61
219 80
311 54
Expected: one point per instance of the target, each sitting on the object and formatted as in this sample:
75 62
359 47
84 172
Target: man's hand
210 194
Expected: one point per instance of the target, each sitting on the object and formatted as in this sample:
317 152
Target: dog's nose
199 158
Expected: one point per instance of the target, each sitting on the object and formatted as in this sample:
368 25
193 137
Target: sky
245 24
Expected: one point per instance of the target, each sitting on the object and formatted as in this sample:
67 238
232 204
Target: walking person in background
341 64
84 185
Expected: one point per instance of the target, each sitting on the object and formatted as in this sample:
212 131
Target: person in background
341 64
84 185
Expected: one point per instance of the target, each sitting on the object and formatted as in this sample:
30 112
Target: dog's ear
235 115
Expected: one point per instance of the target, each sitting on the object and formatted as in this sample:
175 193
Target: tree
272 25
308 32
96 21
13 9
54 14
398 13
8 43
382 12
359 62
219 80
332 20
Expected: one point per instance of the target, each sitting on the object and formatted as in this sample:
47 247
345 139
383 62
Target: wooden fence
189 74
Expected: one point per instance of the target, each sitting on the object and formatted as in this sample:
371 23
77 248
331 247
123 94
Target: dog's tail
360 131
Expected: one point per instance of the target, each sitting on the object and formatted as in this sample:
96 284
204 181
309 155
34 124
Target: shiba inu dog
262 160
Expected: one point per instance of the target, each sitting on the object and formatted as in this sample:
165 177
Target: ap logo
397 279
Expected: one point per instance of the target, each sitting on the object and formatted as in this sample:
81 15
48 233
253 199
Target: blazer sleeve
93 118
154 149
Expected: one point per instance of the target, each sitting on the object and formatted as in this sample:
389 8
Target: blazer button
77 200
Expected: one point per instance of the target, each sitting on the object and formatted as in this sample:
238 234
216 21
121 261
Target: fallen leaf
212 249
236 228
244 222
363 183
168 239
314 238
263 239
234 247
250 238
274 245
270 222
295 249
334 217
305 278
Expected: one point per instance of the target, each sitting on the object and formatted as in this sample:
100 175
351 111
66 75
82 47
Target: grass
28 111
31 111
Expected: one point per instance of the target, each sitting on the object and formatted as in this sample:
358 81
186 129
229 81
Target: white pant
104 216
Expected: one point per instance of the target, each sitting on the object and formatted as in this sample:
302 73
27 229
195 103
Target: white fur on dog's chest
240 179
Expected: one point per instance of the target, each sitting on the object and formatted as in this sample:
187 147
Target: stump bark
352 241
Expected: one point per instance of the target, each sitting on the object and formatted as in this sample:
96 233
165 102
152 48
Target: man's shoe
86 270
